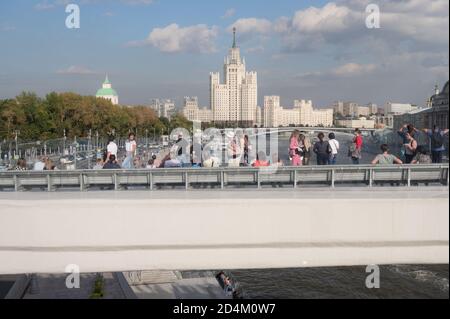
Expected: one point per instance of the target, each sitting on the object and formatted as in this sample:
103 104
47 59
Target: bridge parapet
223 178
245 229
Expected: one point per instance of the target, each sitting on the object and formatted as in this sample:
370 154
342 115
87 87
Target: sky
316 50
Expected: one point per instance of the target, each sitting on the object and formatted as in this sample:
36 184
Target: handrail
224 177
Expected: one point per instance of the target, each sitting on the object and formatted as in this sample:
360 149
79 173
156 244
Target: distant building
338 108
373 108
163 108
418 118
439 108
383 121
107 92
302 114
436 113
354 110
359 123
235 101
193 113
398 108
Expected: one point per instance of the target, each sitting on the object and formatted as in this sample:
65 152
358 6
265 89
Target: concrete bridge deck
126 231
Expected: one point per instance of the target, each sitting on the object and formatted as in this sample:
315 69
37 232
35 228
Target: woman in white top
334 145
131 148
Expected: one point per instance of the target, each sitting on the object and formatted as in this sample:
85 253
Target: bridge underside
108 231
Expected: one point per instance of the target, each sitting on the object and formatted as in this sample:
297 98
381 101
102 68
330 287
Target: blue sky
317 50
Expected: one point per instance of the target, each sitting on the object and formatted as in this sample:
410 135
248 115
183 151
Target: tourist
385 158
112 163
210 161
355 150
196 153
171 160
247 149
49 165
156 161
436 136
98 165
322 150
261 160
39 165
422 157
410 148
306 145
234 151
111 149
21 165
334 144
294 149
407 128
130 147
276 161
402 132
182 149
151 164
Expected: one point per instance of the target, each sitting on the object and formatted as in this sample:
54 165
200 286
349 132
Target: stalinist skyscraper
236 100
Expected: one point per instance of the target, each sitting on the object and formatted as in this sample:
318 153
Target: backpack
437 140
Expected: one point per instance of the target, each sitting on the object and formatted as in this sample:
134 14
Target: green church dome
106 92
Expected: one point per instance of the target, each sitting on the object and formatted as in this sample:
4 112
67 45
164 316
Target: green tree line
48 118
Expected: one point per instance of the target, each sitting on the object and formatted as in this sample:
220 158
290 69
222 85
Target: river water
396 281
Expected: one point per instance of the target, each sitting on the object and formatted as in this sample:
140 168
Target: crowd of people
326 151
239 150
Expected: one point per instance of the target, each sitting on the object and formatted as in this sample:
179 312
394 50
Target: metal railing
223 178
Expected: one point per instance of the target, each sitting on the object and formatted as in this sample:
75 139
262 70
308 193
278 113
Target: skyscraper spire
234 38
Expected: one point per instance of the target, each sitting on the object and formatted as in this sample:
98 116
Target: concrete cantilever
113 231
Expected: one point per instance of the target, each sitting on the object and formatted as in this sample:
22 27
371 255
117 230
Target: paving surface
195 288
54 287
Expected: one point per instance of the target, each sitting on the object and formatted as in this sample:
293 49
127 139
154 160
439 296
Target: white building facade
398 108
236 99
163 108
194 113
302 114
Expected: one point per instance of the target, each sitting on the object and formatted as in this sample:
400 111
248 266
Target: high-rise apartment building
236 99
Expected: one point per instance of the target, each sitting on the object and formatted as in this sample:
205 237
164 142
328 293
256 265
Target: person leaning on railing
21 165
385 158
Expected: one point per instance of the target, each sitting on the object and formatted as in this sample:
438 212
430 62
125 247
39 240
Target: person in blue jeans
334 144
323 150
437 138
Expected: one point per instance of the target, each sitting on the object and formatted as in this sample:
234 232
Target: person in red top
261 160
356 148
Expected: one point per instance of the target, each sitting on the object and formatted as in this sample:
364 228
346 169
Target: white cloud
229 13
353 69
76 70
252 26
330 18
175 39
416 24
